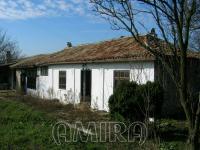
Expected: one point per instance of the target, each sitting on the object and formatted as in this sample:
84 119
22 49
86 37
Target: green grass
27 126
22 127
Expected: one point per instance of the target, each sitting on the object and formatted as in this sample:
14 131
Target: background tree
195 41
175 21
195 34
8 48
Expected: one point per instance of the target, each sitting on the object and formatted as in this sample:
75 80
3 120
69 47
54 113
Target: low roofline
8 64
86 62
124 49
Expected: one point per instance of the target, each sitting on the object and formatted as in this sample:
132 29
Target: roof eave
85 62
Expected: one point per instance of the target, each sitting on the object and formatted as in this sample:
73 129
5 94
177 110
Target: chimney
153 32
69 44
8 57
152 38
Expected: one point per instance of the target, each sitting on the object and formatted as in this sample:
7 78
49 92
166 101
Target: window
62 79
31 78
44 71
121 76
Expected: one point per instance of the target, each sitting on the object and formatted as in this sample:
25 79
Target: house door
23 83
86 86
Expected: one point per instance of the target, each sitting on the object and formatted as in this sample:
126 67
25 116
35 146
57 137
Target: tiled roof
117 50
30 61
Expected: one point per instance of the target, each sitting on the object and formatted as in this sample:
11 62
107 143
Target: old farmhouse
90 73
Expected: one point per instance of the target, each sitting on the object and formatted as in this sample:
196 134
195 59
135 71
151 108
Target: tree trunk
193 134
193 141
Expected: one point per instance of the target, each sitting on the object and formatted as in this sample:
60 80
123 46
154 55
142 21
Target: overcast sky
45 26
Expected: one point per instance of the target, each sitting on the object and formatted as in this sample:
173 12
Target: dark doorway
23 83
86 86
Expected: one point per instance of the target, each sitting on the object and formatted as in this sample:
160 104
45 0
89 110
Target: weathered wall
72 92
102 81
171 106
18 79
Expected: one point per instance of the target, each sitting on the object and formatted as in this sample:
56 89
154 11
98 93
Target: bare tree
174 20
8 48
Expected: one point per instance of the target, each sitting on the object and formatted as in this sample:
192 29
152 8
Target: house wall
171 105
102 81
18 79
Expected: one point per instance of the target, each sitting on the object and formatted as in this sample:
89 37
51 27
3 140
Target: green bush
120 101
168 146
130 101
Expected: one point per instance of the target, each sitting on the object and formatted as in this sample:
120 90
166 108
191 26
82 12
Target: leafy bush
131 101
121 100
168 146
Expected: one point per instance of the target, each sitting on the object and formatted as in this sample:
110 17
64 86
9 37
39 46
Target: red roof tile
122 49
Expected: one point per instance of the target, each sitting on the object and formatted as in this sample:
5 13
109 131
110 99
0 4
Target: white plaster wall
108 87
48 86
72 92
102 81
43 86
18 79
142 72
97 88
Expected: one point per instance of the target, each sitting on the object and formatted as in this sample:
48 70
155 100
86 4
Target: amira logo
64 132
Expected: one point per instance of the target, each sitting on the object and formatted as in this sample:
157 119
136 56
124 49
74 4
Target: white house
86 73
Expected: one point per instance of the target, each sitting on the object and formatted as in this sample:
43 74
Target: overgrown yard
23 127
26 123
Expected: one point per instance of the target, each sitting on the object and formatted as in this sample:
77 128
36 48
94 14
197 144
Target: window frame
120 75
44 71
63 85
